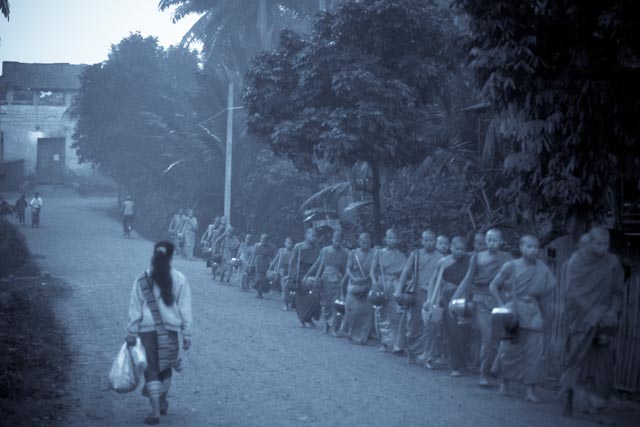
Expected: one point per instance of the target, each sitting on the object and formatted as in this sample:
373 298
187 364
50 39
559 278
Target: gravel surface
250 364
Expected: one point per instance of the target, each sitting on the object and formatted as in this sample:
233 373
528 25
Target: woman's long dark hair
161 270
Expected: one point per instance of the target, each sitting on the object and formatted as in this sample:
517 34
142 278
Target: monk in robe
207 236
386 269
189 229
228 245
216 247
358 318
442 245
262 256
330 268
425 259
280 266
174 229
245 255
307 301
483 268
451 270
525 281
595 284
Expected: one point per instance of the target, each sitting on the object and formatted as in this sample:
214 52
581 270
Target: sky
81 31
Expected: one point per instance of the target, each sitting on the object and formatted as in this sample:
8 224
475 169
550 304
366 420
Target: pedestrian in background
188 231
128 212
174 228
20 207
36 206
160 309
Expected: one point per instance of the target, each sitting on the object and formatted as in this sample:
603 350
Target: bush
13 249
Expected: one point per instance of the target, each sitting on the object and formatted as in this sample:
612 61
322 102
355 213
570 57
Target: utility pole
228 156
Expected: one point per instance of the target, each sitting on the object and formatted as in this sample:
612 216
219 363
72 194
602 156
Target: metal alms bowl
462 309
339 306
504 323
377 298
235 262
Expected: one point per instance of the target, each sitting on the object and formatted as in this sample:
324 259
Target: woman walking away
160 308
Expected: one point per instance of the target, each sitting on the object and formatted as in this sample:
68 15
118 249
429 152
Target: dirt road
250 364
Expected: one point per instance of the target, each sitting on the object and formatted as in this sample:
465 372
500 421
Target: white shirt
36 202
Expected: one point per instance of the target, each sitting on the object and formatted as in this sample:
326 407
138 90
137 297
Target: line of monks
442 305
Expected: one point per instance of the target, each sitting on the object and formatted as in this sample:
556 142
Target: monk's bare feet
504 389
456 373
312 325
531 396
302 325
429 365
483 382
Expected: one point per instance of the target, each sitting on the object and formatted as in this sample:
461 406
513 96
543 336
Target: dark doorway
50 165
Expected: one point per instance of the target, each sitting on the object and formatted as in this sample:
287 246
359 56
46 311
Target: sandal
152 421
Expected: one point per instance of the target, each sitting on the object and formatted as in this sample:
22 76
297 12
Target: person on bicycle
127 216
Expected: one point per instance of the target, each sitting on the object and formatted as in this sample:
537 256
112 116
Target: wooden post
228 156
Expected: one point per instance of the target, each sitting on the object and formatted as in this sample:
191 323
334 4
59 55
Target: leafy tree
360 87
560 78
135 122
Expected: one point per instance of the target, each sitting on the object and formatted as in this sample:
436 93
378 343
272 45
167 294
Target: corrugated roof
41 76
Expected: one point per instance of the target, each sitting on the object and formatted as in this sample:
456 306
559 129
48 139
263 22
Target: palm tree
4 8
231 32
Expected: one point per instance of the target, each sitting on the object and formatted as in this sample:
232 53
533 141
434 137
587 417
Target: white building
35 131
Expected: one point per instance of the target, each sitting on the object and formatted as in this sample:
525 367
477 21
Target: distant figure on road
358 318
593 302
262 256
189 228
245 256
280 267
36 206
207 238
227 247
386 269
127 216
159 309
303 256
174 228
20 207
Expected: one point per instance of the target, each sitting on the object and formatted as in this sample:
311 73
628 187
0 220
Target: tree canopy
556 76
360 87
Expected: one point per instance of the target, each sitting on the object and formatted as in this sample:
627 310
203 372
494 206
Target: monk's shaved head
428 233
458 240
391 233
391 238
527 238
584 241
493 240
529 246
494 231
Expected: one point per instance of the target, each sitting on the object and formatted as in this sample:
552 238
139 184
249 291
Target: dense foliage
360 87
136 123
557 77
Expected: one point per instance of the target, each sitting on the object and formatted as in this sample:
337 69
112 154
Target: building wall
22 125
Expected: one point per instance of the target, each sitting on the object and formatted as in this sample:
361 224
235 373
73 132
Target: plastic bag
127 368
